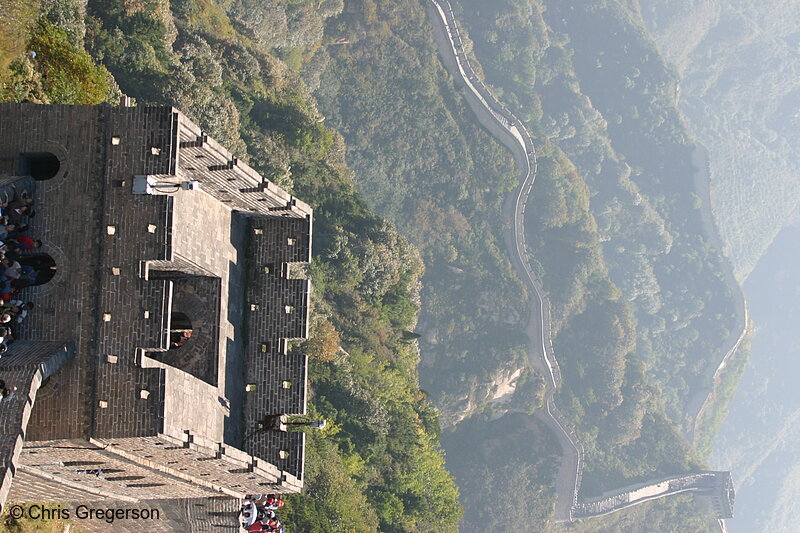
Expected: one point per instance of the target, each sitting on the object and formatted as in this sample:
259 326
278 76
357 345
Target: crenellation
151 293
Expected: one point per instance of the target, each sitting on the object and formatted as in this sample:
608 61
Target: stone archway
44 266
41 166
55 276
41 160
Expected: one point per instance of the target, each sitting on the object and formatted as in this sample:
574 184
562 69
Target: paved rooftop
132 269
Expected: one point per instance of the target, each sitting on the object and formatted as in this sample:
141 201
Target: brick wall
74 209
78 464
230 181
198 515
137 469
277 310
74 135
107 242
198 297
26 369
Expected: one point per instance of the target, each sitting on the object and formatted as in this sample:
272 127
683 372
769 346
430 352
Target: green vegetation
607 391
28 525
627 142
724 390
54 67
499 466
741 106
425 164
378 465
640 306
641 309
365 277
69 76
16 19
638 293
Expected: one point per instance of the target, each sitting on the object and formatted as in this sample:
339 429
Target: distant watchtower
161 339
712 489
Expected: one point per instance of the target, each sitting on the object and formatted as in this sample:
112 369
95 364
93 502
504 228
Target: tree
323 341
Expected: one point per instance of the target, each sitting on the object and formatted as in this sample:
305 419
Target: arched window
43 265
180 331
39 165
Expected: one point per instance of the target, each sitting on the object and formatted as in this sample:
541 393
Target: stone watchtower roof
136 270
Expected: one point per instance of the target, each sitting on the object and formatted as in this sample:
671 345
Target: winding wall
497 118
702 398
512 133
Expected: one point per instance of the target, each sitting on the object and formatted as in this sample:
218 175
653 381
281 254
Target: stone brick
175 419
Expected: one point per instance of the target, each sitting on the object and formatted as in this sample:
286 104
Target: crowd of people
17 269
258 513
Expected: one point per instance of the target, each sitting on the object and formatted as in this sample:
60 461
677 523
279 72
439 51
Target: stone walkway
207 234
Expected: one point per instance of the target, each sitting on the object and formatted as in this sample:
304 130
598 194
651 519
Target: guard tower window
180 331
39 165
40 268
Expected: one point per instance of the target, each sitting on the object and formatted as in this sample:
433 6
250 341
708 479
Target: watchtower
162 337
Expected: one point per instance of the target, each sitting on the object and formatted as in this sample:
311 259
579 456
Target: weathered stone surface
174 418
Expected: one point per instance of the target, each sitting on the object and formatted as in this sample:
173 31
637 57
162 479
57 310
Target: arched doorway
43 265
40 166
180 330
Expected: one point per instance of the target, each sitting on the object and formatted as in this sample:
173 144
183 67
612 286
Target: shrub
69 76
16 17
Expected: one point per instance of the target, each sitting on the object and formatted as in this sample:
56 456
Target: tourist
9 246
13 310
5 289
16 214
12 269
267 501
266 526
179 338
18 285
6 230
266 514
19 200
273 501
21 311
5 335
5 392
25 243
17 230
29 274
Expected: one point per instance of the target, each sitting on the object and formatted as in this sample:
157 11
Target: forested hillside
608 104
424 162
378 465
641 309
738 64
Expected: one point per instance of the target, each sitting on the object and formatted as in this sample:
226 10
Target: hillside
641 306
425 164
737 63
739 96
759 438
347 105
378 465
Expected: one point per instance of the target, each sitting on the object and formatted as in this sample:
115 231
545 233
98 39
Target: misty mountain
738 63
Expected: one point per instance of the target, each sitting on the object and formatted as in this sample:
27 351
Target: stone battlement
178 303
